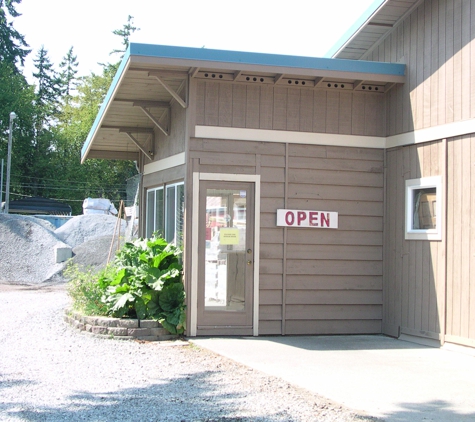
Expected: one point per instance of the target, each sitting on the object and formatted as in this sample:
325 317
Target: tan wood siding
292 109
460 324
332 279
414 286
436 42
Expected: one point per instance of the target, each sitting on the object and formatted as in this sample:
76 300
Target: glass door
226 257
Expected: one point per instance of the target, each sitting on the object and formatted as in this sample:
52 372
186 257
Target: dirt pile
28 244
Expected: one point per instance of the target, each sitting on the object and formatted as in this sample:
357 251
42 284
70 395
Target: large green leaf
140 308
172 297
122 301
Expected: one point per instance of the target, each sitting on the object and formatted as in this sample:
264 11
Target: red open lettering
301 216
313 218
325 220
289 218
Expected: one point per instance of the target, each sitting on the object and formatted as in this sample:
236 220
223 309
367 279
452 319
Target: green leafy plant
145 282
84 290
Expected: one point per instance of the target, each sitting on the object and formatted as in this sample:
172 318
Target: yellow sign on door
229 236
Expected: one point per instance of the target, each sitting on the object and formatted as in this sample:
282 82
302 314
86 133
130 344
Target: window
424 208
165 212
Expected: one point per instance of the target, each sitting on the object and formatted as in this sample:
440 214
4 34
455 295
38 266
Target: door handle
249 262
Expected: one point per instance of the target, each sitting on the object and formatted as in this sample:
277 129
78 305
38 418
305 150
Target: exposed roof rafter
156 122
144 103
148 154
159 76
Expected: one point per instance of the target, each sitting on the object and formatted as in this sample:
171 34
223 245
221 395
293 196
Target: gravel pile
51 372
27 246
83 228
27 251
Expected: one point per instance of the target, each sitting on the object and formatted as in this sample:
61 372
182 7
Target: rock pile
29 245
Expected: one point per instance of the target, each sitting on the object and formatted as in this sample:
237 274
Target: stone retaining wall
119 328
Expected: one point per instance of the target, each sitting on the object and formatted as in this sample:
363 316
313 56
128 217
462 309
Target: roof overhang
373 26
151 77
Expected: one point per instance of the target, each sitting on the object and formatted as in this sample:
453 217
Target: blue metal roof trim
263 59
106 101
355 27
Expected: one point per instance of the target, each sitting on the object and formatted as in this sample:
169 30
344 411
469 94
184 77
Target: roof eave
121 71
355 28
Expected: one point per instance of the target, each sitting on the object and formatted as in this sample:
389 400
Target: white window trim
417 184
154 190
166 187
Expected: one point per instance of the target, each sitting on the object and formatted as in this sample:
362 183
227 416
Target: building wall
436 44
460 324
414 270
428 285
281 108
312 281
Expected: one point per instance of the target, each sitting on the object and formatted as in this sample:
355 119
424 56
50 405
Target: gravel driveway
51 372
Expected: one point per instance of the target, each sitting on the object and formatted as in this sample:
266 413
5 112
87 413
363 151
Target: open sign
302 218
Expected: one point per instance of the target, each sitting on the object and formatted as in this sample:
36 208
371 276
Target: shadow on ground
188 398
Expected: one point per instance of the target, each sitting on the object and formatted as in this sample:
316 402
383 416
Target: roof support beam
145 103
389 86
156 121
163 73
130 129
357 84
318 82
148 154
158 76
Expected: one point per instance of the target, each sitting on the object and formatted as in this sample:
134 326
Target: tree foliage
55 115
13 47
125 32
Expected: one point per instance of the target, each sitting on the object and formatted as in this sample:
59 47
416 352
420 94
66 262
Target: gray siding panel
436 43
304 270
292 109
460 326
414 273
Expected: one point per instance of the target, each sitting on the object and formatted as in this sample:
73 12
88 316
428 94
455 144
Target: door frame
223 177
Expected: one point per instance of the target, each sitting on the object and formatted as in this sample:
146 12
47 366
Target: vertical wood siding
292 109
333 278
414 270
436 42
460 326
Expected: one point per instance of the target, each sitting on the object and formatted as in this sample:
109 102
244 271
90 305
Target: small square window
423 208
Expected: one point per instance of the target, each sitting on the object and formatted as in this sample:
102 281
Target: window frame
413 185
164 226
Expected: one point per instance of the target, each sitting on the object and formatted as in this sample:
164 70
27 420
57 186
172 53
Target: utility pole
9 162
1 185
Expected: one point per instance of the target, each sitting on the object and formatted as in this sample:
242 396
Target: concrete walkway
380 376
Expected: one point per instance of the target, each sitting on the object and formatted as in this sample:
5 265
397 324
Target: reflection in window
423 208
165 212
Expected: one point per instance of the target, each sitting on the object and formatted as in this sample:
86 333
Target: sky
299 27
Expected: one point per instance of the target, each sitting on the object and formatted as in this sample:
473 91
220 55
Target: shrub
144 281
84 290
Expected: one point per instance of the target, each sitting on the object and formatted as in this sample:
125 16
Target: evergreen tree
47 103
12 43
17 96
68 74
127 30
